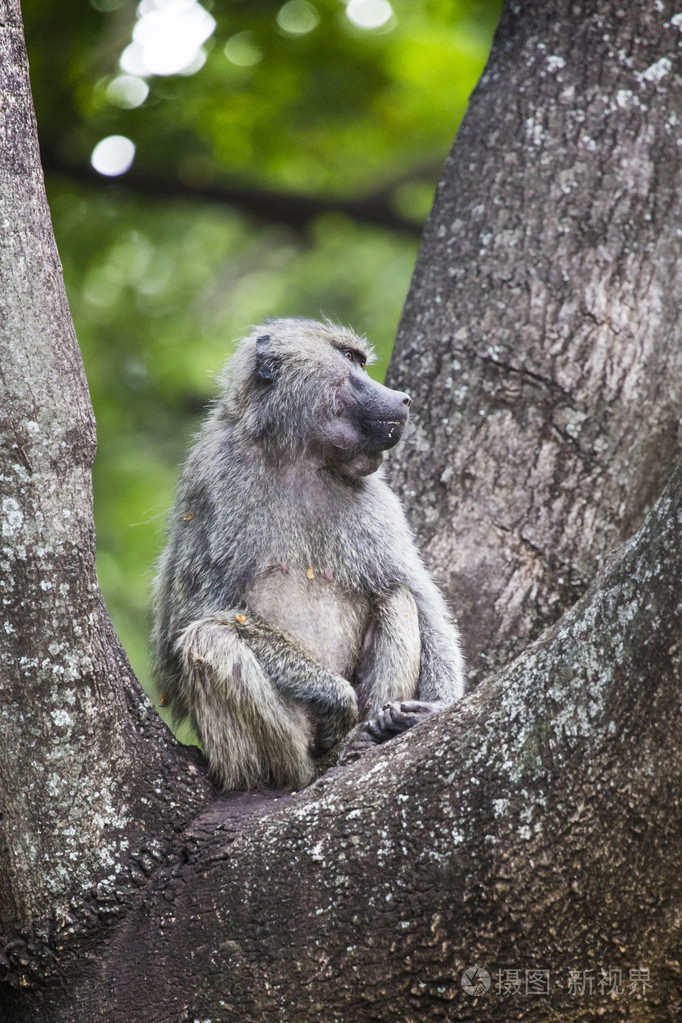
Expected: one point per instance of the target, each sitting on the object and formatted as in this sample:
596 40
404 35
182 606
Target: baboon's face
367 418
310 388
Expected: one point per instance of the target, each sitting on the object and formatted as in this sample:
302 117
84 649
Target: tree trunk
90 780
536 826
540 339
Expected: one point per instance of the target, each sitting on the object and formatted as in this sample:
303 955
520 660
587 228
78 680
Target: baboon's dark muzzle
382 413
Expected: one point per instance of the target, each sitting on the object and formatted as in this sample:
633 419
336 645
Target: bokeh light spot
241 49
167 38
114 155
297 17
369 13
127 91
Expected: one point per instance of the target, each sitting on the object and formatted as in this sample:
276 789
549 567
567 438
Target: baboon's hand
335 719
397 717
357 743
323 740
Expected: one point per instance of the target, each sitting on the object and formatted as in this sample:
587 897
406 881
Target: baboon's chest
325 619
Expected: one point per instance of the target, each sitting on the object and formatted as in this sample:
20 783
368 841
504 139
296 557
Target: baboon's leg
252 735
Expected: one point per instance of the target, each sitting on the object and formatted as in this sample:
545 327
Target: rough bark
539 335
534 826
89 777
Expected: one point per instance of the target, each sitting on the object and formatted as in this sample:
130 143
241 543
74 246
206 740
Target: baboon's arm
388 666
330 698
441 672
412 650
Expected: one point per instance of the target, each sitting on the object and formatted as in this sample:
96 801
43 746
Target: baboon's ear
267 362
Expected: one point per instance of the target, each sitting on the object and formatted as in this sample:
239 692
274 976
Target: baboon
294 617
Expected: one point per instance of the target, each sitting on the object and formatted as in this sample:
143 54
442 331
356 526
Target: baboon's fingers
398 717
324 739
386 724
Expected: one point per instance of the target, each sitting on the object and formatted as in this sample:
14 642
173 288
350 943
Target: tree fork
534 825
537 824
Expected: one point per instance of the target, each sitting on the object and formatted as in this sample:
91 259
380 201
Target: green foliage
160 287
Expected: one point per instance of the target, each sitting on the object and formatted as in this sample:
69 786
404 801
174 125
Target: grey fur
290 581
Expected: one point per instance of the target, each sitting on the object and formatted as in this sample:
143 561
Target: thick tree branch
289 208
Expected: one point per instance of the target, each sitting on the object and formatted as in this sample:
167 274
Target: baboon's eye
354 356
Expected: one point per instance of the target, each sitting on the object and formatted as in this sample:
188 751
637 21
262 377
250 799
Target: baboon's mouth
383 434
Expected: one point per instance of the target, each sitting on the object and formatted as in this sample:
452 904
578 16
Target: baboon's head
299 386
